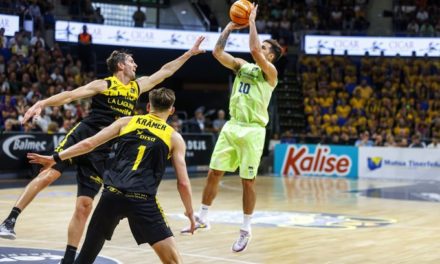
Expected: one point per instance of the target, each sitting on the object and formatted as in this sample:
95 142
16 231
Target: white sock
246 222
203 212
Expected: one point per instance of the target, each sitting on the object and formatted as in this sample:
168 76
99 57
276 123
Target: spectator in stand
390 142
57 116
52 128
98 17
175 122
427 29
37 38
287 137
416 141
335 139
218 123
37 17
7 108
378 141
413 27
49 19
273 142
365 90
11 125
85 50
434 144
3 40
357 102
139 17
345 139
422 15
435 128
87 11
364 140
198 124
67 125
401 129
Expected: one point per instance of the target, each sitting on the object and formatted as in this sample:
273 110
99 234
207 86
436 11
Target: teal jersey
250 96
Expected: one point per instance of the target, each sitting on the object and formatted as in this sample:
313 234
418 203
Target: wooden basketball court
298 220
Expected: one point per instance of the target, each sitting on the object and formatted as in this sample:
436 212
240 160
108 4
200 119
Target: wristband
56 157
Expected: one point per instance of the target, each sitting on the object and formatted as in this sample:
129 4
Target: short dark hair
162 99
116 57
275 47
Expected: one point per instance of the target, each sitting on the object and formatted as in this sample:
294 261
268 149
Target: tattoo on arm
221 42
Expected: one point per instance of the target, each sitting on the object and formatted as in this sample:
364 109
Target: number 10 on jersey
244 88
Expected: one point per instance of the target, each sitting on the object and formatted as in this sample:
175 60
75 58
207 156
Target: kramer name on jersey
150 123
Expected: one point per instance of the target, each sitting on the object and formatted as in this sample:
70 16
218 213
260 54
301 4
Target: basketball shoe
7 230
242 242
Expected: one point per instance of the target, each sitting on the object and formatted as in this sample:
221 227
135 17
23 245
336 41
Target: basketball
240 11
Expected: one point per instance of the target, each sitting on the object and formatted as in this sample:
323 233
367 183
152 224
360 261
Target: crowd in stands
284 20
381 101
31 71
39 11
417 17
211 121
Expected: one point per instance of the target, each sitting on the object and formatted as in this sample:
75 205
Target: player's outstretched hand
192 221
34 111
45 161
253 14
195 50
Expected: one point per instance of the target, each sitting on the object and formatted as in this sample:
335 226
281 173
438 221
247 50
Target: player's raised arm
183 183
255 46
66 97
219 52
148 82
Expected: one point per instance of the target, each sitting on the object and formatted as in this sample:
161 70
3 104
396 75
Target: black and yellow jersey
143 147
118 100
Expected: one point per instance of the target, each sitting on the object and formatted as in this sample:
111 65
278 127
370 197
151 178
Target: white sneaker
242 242
7 230
200 226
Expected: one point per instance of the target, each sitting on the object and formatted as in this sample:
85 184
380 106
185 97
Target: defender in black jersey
145 143
112 98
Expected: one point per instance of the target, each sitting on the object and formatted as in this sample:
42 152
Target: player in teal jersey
241 141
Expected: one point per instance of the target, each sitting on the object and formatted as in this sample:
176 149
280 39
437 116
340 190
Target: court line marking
143 249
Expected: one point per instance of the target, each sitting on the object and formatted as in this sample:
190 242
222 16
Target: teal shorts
239 145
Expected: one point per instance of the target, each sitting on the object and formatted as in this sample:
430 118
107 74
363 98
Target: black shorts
91 166
145 217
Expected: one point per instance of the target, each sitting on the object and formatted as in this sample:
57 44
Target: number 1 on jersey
139 157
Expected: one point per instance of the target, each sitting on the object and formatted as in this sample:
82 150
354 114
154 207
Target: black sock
14 215
69 255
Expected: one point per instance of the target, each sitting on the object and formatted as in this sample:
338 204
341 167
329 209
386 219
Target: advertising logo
374 163
299 161
22 143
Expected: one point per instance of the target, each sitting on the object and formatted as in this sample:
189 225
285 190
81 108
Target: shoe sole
244 249
8 236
